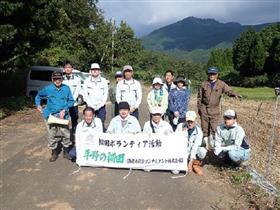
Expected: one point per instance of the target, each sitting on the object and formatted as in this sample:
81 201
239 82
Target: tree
241 50
221 59
257 56
127 46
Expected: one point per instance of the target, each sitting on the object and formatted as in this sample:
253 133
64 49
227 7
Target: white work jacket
162 128
194 140
129 91
83 127
75 85
131 126
95 92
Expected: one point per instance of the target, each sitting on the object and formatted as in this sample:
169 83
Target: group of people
167 103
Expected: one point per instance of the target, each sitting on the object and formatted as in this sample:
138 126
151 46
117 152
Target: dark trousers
116 110
101 114
135 114
74 114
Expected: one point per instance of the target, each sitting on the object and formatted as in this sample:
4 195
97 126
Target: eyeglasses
210 74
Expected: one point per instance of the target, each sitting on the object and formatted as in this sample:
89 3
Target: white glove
218 150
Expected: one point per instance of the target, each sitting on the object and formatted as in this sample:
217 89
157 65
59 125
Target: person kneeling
90 122
124 122
157 124
194 135
231 141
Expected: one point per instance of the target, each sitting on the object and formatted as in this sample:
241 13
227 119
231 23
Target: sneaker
175 172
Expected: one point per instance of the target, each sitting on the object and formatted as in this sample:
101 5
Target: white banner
136 151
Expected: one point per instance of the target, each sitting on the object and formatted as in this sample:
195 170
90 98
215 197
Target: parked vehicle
40 76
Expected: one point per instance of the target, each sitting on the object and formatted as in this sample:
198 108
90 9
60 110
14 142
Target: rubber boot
54 155
66 153
197 167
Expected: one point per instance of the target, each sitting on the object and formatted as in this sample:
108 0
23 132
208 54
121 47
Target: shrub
261 80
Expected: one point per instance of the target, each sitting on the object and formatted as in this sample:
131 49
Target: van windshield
41 75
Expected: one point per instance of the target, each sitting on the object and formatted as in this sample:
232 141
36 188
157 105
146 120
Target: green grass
260 93
240 177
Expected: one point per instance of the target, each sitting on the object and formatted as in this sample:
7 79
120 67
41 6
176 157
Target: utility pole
113 43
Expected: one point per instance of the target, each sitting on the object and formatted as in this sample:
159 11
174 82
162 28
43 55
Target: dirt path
30 181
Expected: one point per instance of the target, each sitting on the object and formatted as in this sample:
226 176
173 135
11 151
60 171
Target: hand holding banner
136 151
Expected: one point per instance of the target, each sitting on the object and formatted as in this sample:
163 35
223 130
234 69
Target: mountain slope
194 33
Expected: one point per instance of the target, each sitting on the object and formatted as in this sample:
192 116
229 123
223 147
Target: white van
40 76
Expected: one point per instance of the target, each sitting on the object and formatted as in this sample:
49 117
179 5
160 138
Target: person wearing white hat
231 143
129 90
112 93
194 135
158 96
95 92
157 124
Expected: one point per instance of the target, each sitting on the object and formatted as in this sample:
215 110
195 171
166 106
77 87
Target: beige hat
94 66
190 116
127 67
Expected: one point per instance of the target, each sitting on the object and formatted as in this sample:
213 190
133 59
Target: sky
144 16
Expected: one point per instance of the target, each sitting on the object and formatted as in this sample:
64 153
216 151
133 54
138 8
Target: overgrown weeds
10 105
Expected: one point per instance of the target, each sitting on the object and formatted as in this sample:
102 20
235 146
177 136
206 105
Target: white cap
157 80
230 113
94 66
190 116
127 67
156 110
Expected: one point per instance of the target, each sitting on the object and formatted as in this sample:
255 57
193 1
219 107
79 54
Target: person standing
129 90
158 96
179 98
208 101
169 77
231 142
95 92
59 101
74 83
169 85
112 93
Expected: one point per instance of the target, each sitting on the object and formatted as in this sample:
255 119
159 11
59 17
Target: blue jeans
239 155
72 152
